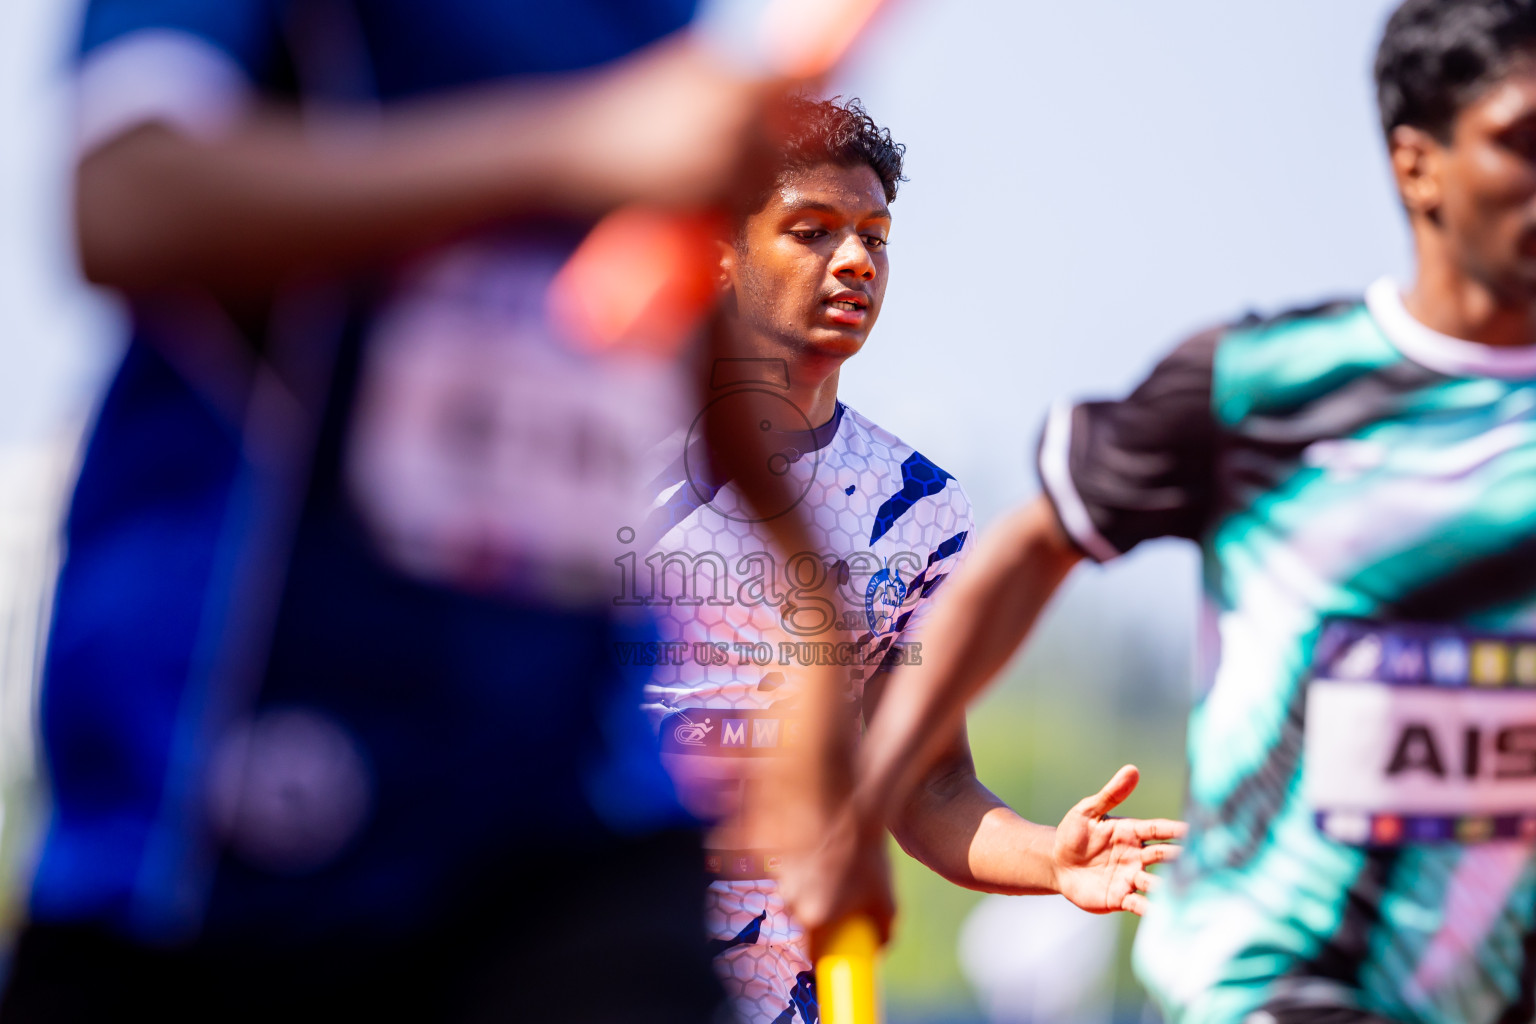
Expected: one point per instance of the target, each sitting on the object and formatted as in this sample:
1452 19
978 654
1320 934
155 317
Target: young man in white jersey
805 274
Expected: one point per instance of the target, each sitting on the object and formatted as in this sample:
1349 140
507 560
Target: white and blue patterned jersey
736 618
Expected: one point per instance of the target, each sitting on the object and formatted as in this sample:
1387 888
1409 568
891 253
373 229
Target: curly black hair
827 131
1437 56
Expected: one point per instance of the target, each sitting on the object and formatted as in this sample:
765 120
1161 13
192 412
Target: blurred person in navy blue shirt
332 715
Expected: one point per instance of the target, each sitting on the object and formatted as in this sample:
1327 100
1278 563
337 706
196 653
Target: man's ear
1418 159
725 280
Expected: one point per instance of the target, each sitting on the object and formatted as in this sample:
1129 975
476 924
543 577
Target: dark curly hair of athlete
828 131
1437 56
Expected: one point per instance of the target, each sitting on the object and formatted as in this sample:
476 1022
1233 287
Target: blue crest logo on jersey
882 600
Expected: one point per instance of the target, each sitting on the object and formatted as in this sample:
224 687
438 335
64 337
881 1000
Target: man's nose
852 259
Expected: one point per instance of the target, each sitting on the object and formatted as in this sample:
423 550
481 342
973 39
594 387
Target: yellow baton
845 974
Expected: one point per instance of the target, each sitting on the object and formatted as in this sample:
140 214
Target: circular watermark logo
783 430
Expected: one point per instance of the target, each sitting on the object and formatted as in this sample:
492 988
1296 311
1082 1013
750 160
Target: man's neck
814 396
1445 299
812 378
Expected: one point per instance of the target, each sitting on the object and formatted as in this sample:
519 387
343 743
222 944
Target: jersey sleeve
1119 473
952 534
190 64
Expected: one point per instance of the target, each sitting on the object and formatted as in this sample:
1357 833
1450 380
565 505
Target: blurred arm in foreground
271 197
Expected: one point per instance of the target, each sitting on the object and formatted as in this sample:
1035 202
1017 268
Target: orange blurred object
642 279
806 38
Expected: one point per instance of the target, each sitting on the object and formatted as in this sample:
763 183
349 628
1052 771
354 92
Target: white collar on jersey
1442 353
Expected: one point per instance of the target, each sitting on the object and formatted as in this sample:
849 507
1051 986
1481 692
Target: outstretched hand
1101 862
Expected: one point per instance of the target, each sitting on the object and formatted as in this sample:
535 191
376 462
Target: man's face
809 269
1483 196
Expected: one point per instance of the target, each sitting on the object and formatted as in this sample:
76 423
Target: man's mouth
848 308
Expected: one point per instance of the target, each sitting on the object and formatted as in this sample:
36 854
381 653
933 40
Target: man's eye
874 241
807 234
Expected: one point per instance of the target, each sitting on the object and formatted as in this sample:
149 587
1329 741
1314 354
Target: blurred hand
848 874
261 203
1101 862
670 126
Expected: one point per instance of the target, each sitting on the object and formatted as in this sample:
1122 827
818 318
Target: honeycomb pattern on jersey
767 981
857 474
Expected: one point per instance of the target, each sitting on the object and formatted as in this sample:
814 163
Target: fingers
843 883
881 909
1113 794
1143 882
884 924
1160 828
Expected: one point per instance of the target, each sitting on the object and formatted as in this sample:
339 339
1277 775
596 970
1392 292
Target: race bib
1421 733
488 453
714 755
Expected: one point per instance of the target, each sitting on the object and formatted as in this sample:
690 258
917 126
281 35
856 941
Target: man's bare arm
989 608
967 835
957 827
275 196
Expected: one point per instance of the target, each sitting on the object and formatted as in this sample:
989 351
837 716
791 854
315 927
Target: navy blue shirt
437 732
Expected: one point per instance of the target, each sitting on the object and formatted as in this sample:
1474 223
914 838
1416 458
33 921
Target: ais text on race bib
1421 733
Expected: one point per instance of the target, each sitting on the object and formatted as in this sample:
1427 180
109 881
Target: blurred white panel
58 338
1039 960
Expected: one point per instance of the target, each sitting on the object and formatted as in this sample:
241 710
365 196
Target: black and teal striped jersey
1362 749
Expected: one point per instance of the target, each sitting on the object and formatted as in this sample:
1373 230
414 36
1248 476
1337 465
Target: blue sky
1092 181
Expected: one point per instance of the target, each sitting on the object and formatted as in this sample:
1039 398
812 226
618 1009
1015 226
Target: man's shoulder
903 475
1281 363
1294 334
866 440
1297 333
